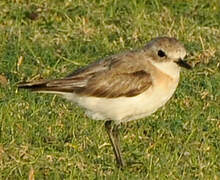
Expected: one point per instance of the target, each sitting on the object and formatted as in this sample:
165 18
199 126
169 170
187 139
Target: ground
46 137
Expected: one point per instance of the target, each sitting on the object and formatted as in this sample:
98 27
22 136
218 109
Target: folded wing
114 77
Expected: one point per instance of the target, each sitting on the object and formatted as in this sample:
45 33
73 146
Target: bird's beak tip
184 64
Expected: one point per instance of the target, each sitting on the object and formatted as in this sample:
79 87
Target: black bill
184 64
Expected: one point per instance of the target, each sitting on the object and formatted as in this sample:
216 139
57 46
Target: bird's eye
161 53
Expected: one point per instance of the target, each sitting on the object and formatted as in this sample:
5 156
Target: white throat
169 68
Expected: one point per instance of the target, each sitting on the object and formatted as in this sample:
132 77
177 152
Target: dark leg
113 134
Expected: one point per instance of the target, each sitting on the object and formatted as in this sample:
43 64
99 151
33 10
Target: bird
126 86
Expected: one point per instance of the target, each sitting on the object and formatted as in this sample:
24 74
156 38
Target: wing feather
117 76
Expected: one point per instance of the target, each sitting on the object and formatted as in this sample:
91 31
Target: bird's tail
35 86
68 85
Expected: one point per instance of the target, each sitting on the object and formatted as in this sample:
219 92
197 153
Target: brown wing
117 85
117 76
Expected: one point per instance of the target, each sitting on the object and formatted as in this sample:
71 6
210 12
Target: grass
46 137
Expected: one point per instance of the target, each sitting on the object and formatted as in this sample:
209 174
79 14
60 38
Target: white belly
125 108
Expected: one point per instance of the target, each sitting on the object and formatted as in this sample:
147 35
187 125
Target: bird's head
166 49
